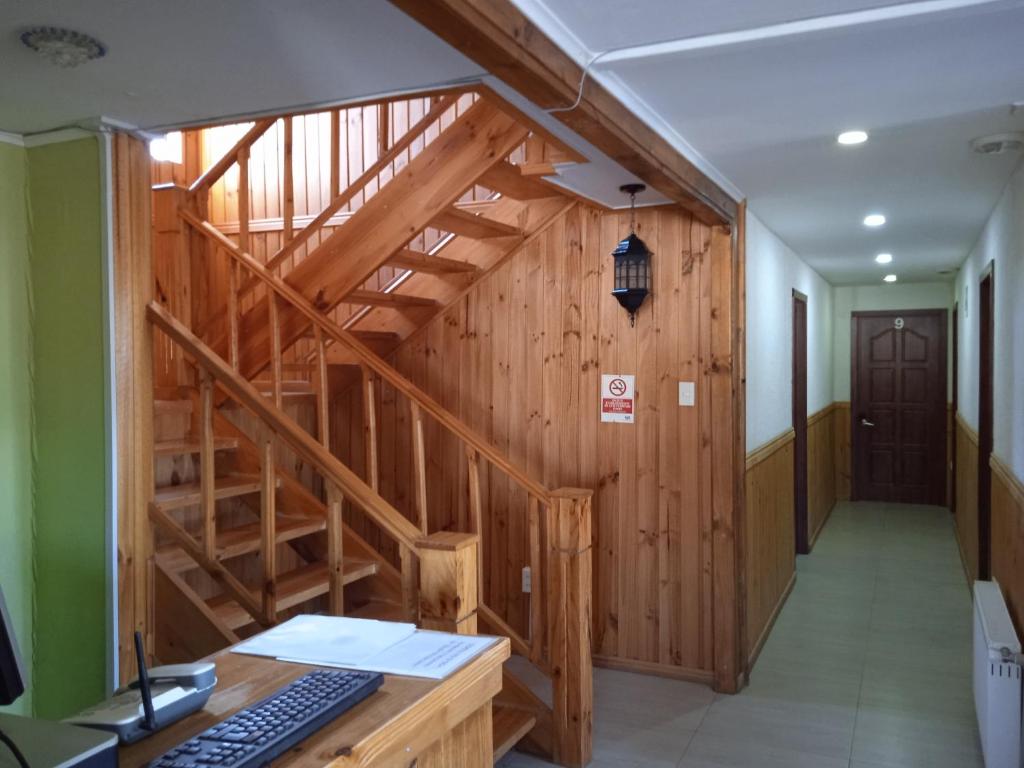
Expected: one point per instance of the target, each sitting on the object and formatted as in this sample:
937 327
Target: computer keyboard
256 735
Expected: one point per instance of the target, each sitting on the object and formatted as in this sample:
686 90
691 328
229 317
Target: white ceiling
187 61
757 92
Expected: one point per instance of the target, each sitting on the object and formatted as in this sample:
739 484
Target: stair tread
397 300
473 226
241 540
174 447
293 588
187 494
509 726
421 262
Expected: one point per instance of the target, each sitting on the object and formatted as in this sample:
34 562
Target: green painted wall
65 215
16 402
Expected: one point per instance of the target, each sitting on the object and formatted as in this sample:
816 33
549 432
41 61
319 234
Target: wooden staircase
243 541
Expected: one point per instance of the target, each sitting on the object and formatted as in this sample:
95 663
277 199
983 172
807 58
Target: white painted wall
883 296
1001 243
773 271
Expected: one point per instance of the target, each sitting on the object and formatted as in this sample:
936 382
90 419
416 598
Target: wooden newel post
448 581
569 624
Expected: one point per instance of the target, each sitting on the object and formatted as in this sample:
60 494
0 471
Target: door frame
986 371
954 405
799 417
943 313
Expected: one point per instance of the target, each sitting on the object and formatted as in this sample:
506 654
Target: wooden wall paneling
821 470
530 341
769 533
1008 537
844 470
729 665
967 496
667 279
133 289
648 428
606 502
519 373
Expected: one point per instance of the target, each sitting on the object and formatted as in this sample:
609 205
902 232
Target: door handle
865 423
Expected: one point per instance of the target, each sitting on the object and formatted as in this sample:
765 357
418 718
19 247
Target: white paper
334 640
433 655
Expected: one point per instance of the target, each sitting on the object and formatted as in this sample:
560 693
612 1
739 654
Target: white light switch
686 393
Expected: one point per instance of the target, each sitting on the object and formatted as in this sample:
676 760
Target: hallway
868 666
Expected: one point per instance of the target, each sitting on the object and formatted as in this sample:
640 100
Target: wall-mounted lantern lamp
632 262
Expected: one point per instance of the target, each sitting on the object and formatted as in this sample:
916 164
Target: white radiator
997 678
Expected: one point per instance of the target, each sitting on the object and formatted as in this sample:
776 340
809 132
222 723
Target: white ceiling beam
785 29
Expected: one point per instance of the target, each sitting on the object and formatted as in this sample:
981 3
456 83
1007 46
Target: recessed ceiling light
890 278
874 220
849 138
883 258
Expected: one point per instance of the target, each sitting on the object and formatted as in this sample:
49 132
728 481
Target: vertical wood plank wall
770 536
1008 537
770 529
821 469
967 496
1007 520
844 471
520 359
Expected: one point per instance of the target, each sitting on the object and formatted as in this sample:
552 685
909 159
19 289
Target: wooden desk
409 721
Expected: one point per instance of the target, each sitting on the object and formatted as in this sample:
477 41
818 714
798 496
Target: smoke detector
998 143
64 47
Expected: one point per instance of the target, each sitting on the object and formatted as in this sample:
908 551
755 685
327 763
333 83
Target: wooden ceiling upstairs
500 38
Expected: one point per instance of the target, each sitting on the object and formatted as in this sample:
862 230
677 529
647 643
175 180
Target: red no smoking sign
617 396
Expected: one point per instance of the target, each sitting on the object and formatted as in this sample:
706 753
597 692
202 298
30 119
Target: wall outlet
687 393
527 580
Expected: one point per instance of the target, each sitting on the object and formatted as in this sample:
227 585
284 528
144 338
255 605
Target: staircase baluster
419 467
335 551
243 198
370 427
410 598
233 314
475 509
335 153
207 465
275 345
268 527
536 588
321 385
289 184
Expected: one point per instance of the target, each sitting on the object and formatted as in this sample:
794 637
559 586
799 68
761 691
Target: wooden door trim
986 418
943 314
802 534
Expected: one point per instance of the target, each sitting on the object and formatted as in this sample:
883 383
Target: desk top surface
404 709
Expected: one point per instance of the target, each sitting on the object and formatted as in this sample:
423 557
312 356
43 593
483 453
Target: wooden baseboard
654 668
763 638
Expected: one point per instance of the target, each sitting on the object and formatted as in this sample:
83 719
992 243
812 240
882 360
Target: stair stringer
428 185
185 627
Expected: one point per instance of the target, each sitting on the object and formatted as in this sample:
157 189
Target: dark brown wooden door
800 423
899 406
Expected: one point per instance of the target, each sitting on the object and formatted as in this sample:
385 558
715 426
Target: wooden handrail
218 169
387 517
369 358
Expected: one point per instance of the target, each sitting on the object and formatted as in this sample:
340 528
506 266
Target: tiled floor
868 666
